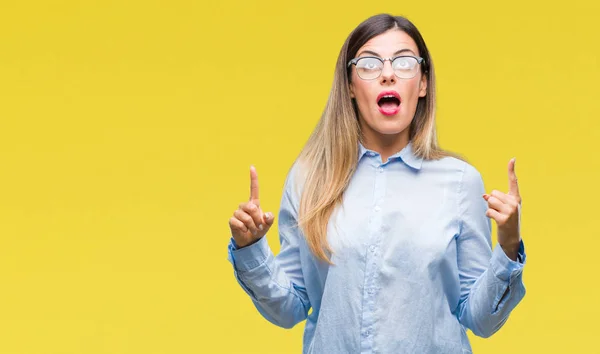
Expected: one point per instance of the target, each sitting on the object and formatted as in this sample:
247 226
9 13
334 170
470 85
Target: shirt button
380 169
371 291
377 209
368 332
372 248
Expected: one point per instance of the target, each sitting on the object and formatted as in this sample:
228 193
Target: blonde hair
330 156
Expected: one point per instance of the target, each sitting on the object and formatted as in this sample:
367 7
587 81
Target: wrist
511 250
242 244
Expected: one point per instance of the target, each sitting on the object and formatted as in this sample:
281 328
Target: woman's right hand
248 223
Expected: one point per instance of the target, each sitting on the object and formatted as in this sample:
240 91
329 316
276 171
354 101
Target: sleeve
491 284
275 283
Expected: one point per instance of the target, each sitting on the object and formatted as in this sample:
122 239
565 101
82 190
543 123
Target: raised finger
253 184
513 185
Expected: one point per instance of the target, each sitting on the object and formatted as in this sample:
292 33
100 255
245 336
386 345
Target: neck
385 144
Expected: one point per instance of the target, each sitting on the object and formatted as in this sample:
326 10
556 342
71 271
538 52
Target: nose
387 73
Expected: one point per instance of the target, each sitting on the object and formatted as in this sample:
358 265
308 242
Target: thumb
269 219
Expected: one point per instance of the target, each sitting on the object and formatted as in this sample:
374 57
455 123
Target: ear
352 90
423 86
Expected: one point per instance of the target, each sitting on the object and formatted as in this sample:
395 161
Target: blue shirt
413 263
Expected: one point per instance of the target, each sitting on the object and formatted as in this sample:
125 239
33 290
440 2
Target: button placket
374 237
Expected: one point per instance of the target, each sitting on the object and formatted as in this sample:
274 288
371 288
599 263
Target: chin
391 127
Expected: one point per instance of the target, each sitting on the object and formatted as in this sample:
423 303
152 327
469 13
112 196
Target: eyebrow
405 50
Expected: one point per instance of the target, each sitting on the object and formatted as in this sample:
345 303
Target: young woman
383 234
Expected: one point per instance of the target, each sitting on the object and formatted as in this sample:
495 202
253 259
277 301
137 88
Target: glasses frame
383 60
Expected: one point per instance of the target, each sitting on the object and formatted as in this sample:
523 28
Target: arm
275 283
491 283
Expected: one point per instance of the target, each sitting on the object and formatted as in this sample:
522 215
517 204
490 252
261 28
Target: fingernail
268 215
261 227
254 233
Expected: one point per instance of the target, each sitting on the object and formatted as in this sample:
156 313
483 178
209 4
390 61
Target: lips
389 102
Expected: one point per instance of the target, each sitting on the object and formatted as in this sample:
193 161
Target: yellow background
127 130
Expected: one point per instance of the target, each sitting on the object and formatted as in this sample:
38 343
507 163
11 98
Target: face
384 118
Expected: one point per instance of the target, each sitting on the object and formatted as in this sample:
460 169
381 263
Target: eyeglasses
369 68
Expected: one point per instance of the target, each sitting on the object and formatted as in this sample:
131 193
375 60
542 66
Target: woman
383 234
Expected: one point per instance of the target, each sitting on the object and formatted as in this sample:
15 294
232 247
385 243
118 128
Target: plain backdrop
127 129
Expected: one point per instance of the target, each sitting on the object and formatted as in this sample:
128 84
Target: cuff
505 268
249 257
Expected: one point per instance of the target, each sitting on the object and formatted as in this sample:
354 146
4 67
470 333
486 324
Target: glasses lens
368 68
406 67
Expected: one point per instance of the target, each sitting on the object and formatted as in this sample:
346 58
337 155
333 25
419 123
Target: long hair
330 156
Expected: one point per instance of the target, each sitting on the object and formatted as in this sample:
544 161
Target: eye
369 64
405 63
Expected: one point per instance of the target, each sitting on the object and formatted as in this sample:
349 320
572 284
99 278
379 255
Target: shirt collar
406 155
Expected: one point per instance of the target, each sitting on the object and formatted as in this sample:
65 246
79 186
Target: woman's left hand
505 208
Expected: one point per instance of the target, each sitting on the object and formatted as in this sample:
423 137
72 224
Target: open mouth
389 102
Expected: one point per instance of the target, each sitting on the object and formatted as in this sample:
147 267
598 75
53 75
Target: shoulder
296 175
294 182
456 169
452 163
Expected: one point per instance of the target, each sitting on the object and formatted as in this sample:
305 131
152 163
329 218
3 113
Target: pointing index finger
253 184
513 185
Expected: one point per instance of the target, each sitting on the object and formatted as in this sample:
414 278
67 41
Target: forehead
387 43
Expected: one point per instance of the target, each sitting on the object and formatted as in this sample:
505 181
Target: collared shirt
413 262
